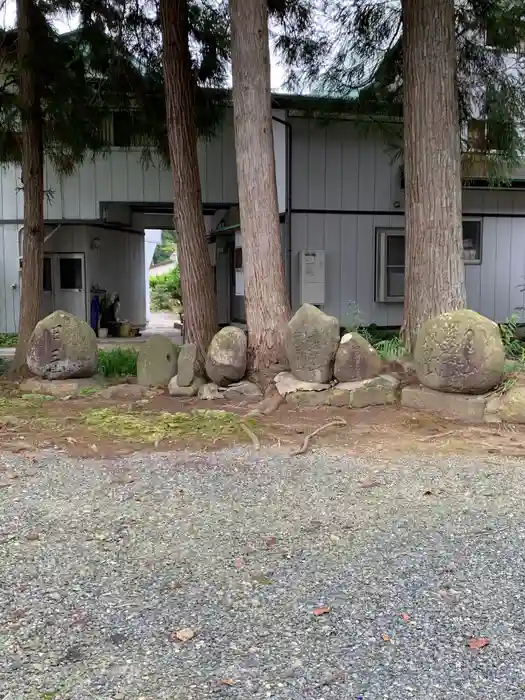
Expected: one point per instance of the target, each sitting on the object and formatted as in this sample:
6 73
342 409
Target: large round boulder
226 359
459 352
156 361
356 359
62 346
312 338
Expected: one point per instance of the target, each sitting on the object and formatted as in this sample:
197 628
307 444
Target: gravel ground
103 562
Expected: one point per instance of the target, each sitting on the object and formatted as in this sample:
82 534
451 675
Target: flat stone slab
125 391
469 408
175 389
59 387
508 407
243 390
377 391
209 392
287 383
309 398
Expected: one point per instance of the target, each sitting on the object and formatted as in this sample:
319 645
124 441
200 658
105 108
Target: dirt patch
94 424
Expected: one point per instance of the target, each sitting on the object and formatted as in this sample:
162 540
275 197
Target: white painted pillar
152 237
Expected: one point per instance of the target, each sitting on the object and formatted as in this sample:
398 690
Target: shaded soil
31 424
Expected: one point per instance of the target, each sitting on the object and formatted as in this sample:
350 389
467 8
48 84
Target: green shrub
117 362
513 347
165 291
8 340
387 342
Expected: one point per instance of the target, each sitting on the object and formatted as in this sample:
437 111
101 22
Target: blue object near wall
95 312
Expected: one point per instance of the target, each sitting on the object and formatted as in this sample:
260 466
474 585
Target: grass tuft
117 362
37 397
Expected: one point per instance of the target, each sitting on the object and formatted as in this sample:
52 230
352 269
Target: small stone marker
226 360
356 359
186 364
311 343
62 346
156 361
286 384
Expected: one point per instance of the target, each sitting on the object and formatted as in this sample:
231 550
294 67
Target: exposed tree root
306 442
271 402
253 437
437 436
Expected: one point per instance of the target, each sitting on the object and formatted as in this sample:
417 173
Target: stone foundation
378 391
463 407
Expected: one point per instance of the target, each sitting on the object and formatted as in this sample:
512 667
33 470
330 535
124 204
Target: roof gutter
288 208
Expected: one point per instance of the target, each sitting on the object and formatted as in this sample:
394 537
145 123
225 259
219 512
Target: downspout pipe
288 211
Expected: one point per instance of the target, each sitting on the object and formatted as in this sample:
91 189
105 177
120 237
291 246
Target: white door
64 284
69 283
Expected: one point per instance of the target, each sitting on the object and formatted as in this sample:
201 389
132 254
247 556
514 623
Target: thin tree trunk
266 299
33 183
434 272
196 273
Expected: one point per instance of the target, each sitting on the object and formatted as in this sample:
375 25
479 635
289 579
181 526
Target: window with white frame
390 258
472 240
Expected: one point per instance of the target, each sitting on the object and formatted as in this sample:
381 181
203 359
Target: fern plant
513 347
390 348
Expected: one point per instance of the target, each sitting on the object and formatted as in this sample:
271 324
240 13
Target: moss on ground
24 403
40 415
151 427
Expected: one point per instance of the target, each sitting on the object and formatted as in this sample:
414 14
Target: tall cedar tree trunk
434 272
266 299
196 273
33 183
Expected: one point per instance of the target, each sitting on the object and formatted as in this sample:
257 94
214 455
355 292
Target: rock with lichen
62 346
459 352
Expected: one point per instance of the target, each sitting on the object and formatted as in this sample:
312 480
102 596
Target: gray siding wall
349 244
341 166
123 176
345 185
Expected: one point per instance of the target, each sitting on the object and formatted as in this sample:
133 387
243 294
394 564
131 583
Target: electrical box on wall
312 277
